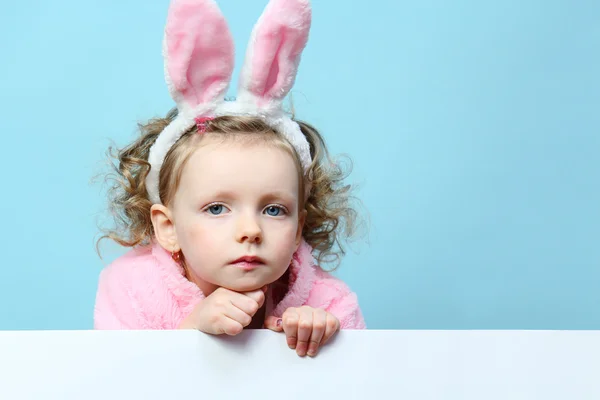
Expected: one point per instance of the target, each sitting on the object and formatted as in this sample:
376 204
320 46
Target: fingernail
279 322
291 343
312 351
301 349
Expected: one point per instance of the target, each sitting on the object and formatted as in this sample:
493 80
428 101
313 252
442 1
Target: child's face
236 200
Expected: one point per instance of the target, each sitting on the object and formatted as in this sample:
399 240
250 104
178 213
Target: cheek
196 228
284 236
198 239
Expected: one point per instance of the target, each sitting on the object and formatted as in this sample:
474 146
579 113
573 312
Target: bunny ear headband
199 59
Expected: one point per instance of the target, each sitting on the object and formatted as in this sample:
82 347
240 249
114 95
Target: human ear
164 227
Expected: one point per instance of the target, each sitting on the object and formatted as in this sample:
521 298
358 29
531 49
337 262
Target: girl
225 202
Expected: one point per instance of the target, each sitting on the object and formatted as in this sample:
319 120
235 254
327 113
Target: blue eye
274 211
216 209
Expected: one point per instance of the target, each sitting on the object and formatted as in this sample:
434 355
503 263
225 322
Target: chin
248 283
243 287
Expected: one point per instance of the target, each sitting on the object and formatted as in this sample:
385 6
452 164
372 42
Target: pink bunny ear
275 50
198 51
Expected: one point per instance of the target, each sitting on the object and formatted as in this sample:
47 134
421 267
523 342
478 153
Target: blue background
474 128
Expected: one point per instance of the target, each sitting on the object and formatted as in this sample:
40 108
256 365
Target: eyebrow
279 194
225 195
267 196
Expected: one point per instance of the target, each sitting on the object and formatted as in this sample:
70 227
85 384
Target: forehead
239 167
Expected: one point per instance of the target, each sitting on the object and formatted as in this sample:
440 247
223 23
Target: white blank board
466 365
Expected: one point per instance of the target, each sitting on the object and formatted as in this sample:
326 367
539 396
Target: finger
318 330
229 326
257 295
305 327
238 315
290 326
248 304
331 328
274 324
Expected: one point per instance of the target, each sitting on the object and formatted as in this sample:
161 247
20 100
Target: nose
249 230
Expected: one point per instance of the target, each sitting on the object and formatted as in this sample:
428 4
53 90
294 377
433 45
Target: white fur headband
199 59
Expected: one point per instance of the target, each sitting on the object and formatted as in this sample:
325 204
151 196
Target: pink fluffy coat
146 289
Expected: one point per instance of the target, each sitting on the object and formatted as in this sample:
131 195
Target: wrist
188 323
185 325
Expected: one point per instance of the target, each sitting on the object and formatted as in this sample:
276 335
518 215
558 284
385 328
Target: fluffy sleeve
335 297
347 310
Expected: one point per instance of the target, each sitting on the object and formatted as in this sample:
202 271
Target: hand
225 312
306 328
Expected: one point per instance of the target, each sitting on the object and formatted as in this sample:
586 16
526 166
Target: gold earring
176 256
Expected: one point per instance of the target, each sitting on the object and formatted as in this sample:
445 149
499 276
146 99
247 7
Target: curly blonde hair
331 218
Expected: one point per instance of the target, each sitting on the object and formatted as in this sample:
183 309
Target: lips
249 259
248 263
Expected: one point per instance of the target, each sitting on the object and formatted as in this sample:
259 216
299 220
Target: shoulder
334 296
129 292
133 270
144 289
313 285
327 288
